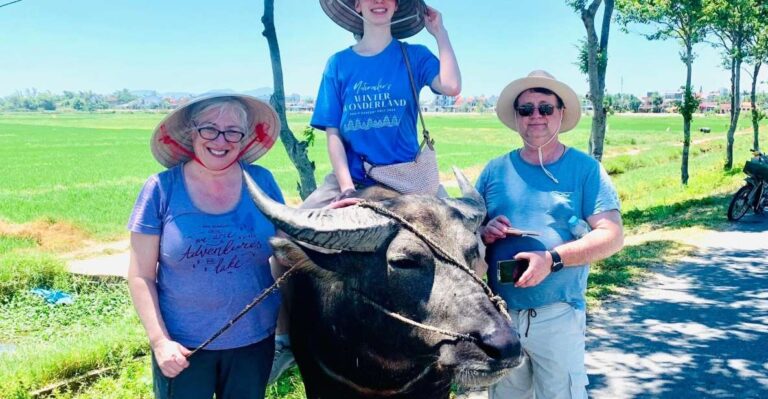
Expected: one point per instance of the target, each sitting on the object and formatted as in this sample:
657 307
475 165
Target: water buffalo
384 303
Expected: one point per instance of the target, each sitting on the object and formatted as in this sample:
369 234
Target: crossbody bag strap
424 132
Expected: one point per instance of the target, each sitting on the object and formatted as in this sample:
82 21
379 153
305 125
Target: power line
7 4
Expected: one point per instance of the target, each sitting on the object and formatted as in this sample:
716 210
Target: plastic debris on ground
54 297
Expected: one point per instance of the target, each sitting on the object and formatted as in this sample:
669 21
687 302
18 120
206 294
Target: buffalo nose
501 345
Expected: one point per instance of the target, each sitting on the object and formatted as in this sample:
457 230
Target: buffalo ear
289 254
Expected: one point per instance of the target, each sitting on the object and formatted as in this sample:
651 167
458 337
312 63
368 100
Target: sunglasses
527 109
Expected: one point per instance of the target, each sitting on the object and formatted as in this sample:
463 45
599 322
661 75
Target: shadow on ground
696 330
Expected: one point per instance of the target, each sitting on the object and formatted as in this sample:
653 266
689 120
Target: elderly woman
199 251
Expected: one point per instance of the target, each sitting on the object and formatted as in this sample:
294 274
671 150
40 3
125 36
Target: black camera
509 271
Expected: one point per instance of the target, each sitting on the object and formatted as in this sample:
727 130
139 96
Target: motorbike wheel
739 204
761 201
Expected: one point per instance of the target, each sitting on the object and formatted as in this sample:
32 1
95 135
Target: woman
199 251
365 103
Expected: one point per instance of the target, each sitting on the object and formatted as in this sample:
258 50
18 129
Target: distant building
586 105
708 106
299 106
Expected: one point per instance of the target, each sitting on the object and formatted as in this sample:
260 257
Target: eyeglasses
527 109
211 133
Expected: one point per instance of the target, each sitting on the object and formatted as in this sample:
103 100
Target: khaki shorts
554 367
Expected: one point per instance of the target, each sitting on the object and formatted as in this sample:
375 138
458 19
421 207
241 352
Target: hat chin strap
397 21
541 157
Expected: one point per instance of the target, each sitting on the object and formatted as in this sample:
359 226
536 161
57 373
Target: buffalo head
380 309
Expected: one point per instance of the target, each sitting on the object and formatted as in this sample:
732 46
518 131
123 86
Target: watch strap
557 261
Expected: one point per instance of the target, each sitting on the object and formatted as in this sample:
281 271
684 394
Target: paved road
695 330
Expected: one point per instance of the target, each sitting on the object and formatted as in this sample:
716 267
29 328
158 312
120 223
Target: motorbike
754 194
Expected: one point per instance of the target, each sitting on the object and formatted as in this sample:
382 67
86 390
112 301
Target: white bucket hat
505 106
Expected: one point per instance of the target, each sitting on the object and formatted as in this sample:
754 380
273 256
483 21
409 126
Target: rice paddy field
69 179
86 169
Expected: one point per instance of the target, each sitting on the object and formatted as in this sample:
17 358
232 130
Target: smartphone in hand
509 271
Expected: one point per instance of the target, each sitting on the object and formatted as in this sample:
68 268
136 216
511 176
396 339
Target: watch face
557 266
557 262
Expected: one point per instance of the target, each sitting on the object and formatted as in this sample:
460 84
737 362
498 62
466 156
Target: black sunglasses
527 109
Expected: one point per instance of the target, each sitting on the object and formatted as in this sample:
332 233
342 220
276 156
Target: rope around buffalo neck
501 306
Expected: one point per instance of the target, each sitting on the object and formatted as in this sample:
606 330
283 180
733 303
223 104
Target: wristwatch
557 262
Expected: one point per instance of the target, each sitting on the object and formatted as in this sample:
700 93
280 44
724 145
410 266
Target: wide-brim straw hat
343 13
172 140
505 105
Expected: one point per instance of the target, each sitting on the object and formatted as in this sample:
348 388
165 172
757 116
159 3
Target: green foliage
622 102
582 60
683 20
23 271
309 135
32 100
57 342
9 243
94 304
124 96
735 24
73 352
132 380
656 100
689 105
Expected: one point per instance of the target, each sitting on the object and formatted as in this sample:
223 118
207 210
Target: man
532 193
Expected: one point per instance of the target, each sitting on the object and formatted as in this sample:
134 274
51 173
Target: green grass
53 343
23 271
86 170
8 243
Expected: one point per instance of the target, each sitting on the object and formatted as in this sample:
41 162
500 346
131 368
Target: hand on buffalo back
171 357
342 203
539 267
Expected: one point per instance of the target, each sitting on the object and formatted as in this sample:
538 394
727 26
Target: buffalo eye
405 263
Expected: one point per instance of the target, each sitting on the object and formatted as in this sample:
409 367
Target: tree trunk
755 112
687 113
597 61
735 110
297 150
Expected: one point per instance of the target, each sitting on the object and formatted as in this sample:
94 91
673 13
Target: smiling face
537 128
218 153
377 12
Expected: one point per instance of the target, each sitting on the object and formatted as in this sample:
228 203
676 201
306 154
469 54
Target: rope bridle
436 249
497 301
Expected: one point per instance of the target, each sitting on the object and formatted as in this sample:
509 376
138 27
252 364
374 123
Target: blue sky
196 46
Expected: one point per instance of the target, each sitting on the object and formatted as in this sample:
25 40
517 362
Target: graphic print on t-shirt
372 107
220 248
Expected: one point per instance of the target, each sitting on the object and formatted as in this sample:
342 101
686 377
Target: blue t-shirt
532 201
210 266
369 99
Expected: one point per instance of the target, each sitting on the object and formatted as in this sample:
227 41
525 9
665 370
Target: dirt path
695 330
109 259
